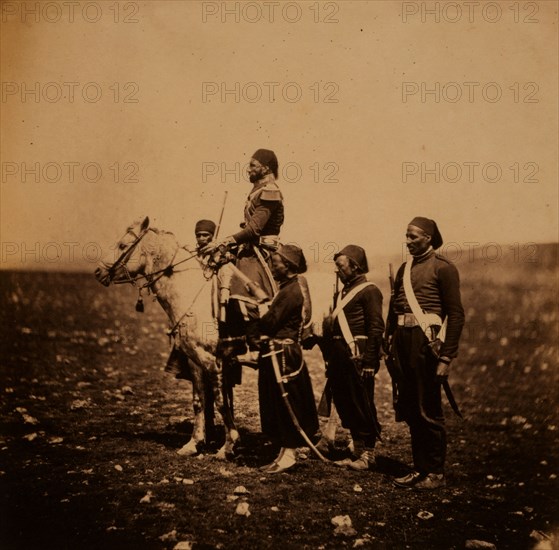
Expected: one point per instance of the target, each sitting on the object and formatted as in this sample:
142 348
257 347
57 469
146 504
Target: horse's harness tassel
140 302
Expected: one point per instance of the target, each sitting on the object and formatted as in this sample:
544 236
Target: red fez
267 158
294 256
356 254
429 227
205 225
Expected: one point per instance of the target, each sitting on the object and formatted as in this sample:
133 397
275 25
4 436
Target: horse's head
130 260
141 251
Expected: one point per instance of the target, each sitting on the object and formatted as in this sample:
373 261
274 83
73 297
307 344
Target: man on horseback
204 231
254 243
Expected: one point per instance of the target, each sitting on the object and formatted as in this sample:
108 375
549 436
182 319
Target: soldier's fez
205 225
430 227
267 158
294 256
356 254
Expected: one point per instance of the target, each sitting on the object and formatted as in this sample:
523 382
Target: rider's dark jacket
263 212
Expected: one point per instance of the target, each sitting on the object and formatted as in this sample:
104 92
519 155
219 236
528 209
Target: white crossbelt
425 320
342 319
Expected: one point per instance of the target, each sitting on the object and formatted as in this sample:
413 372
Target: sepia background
378 111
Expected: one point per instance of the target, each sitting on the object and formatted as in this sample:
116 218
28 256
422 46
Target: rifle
220 217
385 346
390 360
325 343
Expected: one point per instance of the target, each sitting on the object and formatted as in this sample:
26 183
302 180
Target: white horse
152 259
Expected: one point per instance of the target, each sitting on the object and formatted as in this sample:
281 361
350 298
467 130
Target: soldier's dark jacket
263 212
284 319
436 285
364 317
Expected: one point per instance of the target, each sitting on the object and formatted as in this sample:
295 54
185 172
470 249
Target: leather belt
407 320
337 337
286 341
280 341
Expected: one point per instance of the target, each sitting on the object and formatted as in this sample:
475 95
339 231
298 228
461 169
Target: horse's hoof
188 450
221 454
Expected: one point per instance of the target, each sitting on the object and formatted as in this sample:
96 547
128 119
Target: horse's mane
154 229
152 246
161 231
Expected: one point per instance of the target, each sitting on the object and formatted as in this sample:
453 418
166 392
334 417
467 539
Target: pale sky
352 117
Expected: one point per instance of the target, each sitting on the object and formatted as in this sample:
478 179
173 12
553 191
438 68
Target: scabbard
279 379
325 404
450 397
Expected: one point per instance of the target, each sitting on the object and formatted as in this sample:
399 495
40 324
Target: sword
274 357
450 397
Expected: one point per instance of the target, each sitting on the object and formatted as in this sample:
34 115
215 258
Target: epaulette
443 258
271 192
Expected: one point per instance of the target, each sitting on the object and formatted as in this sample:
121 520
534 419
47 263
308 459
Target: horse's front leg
198 402
224 399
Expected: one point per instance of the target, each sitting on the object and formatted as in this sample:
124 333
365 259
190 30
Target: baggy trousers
353 397
419 399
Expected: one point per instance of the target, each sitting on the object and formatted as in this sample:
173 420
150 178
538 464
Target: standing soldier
355 329
425 305
287 407
258 237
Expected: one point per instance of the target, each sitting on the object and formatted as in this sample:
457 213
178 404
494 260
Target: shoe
362 462
277 468
365 461
266 467
409 481
430 482
285 460
325 446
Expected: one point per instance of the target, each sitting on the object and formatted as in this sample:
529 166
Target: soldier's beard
254 178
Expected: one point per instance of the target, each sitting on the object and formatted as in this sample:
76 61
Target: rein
150 278
160 272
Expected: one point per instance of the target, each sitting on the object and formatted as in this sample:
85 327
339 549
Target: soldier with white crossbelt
424 324
354 330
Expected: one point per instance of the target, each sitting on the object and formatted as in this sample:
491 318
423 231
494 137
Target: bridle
122 260
151 278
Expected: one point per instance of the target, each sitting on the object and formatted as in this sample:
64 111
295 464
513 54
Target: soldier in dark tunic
419 371
281 328
354 354
253 244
